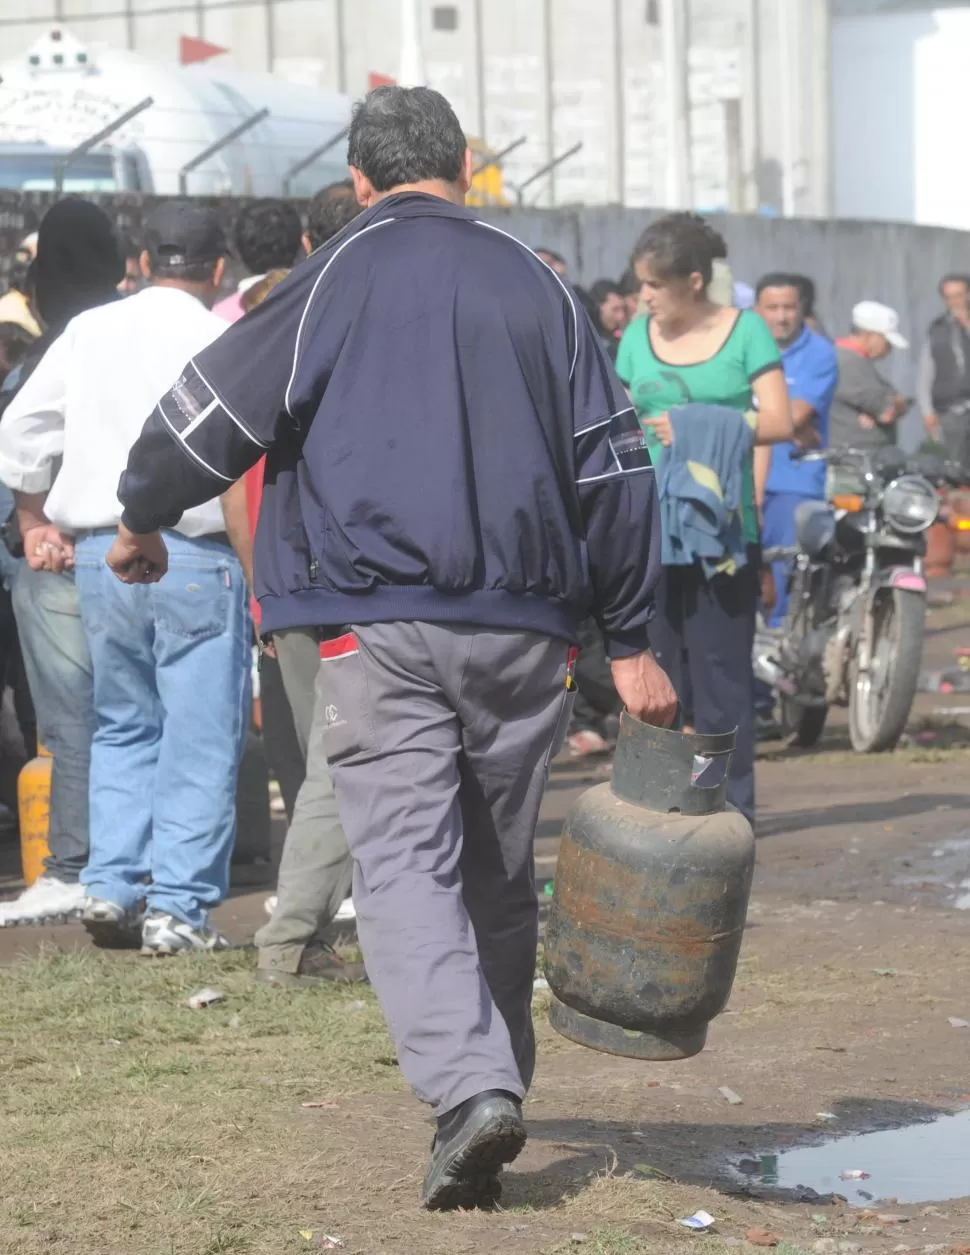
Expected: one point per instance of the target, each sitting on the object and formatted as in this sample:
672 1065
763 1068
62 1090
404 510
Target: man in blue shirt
811 372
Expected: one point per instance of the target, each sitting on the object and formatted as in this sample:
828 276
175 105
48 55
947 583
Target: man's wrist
135 525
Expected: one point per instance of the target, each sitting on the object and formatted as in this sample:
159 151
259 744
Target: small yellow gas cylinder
34 806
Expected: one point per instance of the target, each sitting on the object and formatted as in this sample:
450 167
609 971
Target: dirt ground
855 960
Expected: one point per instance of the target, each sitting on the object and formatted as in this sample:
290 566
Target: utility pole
751 106
673 16
480 94
411 72
340 38
619 107
821 70
733 151
788 81
548 99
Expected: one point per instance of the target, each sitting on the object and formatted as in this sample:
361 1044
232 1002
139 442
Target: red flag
380 80
192 49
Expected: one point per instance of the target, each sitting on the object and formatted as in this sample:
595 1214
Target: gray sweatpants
439 738
315 869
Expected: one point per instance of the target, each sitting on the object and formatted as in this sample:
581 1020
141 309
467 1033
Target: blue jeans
712 621
58 665
172 700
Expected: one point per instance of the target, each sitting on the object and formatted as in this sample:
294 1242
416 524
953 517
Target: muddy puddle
943 870
922 1163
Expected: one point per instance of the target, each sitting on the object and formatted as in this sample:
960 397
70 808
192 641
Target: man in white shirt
171 661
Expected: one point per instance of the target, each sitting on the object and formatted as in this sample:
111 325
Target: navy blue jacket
446 439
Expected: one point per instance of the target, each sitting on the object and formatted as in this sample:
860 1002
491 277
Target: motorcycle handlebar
891 462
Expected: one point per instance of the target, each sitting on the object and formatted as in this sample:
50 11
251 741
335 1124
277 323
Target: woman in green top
688 349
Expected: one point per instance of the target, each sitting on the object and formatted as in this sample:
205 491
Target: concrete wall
556 71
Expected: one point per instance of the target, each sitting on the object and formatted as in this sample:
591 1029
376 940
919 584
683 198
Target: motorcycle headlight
910 503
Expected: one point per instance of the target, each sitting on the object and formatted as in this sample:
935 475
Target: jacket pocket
348 726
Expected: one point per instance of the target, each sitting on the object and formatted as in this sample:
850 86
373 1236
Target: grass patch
610 1241
606 1242
129 1123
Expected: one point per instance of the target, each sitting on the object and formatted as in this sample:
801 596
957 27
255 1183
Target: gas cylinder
34 807
650 899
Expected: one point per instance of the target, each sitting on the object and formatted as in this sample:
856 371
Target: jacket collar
390 209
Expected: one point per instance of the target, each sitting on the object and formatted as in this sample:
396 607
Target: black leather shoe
471 1146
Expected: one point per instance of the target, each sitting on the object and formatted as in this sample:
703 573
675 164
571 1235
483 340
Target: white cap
874 316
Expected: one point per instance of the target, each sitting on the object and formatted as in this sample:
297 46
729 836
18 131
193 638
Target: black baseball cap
178 234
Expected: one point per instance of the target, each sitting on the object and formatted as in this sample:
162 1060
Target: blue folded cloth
701 482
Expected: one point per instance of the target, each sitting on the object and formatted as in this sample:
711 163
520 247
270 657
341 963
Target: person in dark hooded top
78 266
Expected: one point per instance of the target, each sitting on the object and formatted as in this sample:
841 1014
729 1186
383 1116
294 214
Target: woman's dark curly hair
680 245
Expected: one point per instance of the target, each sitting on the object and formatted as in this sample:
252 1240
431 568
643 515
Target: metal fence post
310 158
219 144
68 160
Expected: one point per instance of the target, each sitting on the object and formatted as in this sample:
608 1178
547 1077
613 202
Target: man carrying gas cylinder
454 477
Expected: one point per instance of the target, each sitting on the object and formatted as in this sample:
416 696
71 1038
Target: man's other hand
138 559
46 549
644 689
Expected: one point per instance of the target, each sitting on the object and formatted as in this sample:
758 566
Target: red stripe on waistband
339 648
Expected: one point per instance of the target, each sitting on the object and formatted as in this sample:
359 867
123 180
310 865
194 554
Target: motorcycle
853 630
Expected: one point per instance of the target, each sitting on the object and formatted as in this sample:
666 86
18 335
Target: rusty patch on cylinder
590 894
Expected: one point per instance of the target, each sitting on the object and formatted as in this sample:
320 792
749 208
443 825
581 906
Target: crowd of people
426 468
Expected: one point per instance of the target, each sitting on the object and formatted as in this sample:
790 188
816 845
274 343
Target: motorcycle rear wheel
803 725
880 700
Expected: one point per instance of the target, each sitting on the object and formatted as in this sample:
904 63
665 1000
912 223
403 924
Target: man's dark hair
679 245
14 341
954 278
331 209
630 285
589 304
806 290
17 274
603 288
267 236
406 135
549 254
779 279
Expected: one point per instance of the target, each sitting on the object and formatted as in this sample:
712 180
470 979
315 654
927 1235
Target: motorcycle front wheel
880 700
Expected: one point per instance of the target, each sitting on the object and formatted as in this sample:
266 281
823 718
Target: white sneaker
167 934
111 925
47 901
346 910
